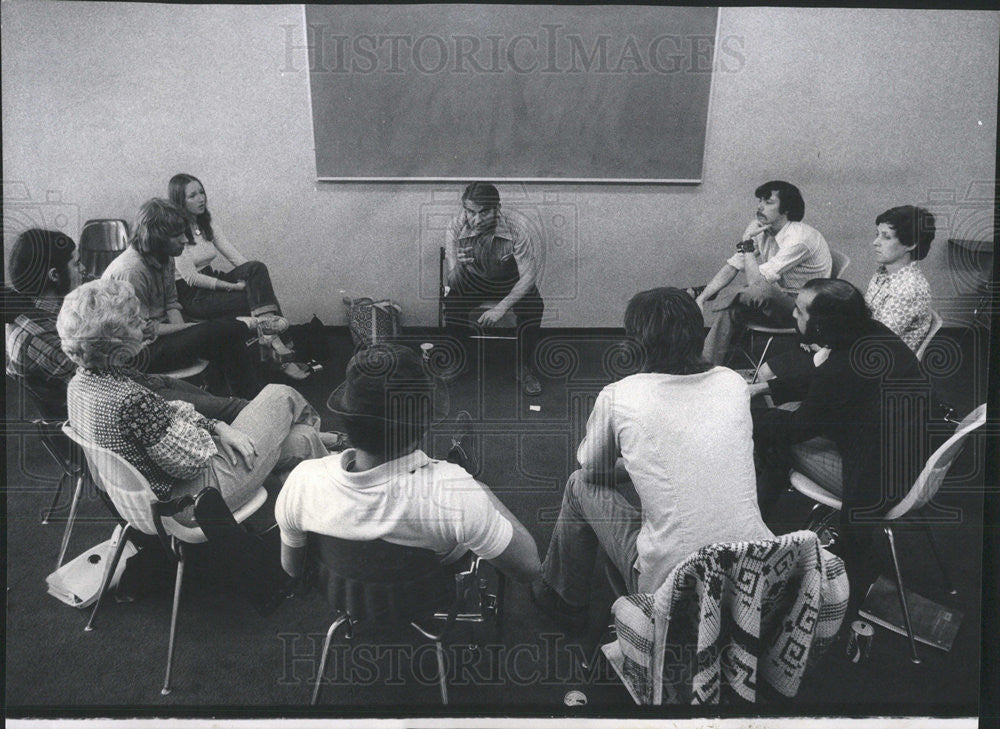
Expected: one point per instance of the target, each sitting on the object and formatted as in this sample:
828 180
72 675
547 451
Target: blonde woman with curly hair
179 451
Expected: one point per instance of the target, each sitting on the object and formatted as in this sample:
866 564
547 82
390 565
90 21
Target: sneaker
462 451
529 382
571 617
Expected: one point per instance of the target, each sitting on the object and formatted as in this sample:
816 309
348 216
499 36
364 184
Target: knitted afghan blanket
727 618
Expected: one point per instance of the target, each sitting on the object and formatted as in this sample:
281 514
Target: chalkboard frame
481 172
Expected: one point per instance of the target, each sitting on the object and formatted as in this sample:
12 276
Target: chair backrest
128 489
840 263
101 241
931 477
380 580
936 323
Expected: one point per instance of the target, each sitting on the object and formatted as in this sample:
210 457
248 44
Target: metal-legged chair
841 261
936 323
921 493
389 584
143 512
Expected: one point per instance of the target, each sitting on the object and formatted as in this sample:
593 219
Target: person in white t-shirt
778 253
386 487
677 439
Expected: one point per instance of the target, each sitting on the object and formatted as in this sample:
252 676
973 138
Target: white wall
863 109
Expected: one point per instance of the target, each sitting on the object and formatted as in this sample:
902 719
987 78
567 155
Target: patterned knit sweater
730 619
165 441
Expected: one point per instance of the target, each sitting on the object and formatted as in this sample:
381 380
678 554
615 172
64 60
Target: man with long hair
676 438
44 267
148 264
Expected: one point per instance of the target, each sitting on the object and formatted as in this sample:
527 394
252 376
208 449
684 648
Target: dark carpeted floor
230 661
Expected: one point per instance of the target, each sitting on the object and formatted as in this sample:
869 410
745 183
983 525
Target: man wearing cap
493 259
386 487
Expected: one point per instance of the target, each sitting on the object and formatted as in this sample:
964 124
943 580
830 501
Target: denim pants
591 515
284 429
775 310
256 299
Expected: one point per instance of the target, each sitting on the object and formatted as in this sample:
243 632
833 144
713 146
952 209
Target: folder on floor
933 624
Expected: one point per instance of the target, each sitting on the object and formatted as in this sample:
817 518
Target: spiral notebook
933 624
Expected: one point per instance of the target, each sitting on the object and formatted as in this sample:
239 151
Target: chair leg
173 618
341 619
47 514
109 570
439 650
902 595
949 586
763 356
69 521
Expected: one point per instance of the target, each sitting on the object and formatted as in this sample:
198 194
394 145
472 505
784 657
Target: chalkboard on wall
511 92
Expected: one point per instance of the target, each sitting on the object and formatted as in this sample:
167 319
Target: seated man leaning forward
778 253
682 430
492 259
386 487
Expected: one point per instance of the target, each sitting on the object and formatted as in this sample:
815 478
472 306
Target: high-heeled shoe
266 324
295 370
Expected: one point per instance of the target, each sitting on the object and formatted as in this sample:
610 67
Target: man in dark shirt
492 259
44 267
861 429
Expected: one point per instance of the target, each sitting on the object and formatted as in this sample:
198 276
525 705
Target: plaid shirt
33 347
165 441
35 355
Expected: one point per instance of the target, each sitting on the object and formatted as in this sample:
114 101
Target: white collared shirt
797 254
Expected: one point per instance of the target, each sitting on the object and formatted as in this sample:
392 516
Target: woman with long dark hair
245 289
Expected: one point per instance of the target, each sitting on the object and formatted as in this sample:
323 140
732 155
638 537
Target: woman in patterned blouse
176 449
898 294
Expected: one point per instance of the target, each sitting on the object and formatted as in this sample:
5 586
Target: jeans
284 429
469 291
774 310
591 515
256 299
220 341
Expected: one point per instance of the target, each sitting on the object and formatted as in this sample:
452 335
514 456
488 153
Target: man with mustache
492 258
778 253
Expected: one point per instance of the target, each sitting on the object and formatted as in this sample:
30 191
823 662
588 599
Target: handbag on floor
372 322
78 582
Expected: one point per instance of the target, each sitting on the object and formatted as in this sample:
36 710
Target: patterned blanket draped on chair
728 618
